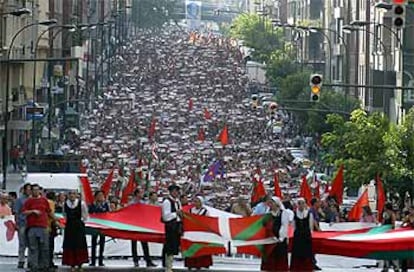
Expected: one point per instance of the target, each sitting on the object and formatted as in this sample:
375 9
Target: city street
327 263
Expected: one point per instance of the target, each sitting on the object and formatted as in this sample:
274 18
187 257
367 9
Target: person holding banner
276 259
75 249
171 216
302 255
202 261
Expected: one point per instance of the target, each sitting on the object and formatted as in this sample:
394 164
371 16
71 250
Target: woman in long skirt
276 256
202 261
302 258
75 250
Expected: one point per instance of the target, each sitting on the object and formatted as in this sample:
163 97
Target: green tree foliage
257 33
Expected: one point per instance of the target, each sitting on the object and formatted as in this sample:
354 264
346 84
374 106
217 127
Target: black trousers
145 249
101 248
51 249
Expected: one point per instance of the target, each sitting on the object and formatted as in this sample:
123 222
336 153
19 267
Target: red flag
129 188
277 191
106 186
151 131
201 136
381 198
207 114
87 190
337 189
224 136
190 104
317 192
259 190
305 190
356 212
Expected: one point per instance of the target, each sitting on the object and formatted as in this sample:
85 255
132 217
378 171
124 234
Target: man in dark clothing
99 206
314 210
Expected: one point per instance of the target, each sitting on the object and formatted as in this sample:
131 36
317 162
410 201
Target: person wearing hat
302 255
202 261
171 216
276 258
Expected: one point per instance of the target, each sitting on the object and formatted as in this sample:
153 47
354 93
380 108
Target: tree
257 33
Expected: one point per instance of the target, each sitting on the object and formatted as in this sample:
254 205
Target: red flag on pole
86 190
201 136
129 188
259 190
106 186
305 190
190 104
356 212
277 191
337 189
151 131
224 136
207 114
381 198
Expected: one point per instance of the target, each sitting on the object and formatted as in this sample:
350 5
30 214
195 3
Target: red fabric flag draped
207 114
259 190
381 198
190 104
277 191
151 131
337 189
129 188
86 190
356 212
224 136
305 190
106 186
201 136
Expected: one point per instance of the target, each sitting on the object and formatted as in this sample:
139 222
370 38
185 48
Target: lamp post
70 28
6 108
349 29
17 12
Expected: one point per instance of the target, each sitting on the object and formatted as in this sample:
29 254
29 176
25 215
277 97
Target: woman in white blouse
302 257
75 250
276 257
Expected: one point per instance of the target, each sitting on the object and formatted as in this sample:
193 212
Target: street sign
35 110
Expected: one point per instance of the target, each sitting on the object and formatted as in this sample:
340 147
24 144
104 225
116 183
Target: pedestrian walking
37 210
75 249
20 220
302 254
276 256
202 261
172 218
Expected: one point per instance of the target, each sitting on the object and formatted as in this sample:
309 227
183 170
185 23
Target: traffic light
272 108
398 10
255 101
315 83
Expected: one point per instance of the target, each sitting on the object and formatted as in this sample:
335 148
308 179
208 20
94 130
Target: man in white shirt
171 216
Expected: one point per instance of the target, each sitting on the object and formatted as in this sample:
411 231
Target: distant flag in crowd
224 136
151 131
86 190
259 190
305 190
278 191
129 188
217 168
381 198
190 104
356 212
201 135
106 186
207 114
337 189
154 148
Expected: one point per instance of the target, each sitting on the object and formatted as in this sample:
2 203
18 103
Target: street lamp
383 5
6 107
17 12
70 28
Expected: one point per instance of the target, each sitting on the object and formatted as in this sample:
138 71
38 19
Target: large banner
193 13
